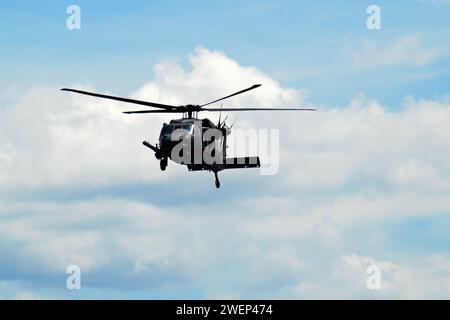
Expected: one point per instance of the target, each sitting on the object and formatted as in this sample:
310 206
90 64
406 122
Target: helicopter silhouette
186 141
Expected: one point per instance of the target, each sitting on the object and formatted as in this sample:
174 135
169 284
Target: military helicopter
181 135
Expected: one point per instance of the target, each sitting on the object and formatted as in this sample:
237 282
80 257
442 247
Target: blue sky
300 44
364 180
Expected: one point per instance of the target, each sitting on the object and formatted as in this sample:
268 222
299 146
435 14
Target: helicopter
186 141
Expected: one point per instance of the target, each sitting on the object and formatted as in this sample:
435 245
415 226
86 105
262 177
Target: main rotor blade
145 103
232 95
153 111
257 109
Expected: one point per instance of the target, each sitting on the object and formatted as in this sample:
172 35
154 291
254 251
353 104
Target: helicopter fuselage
192 135
199 144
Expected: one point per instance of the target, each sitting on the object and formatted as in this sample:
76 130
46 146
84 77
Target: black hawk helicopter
190 129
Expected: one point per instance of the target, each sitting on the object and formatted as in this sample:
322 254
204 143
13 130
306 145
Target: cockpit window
185 127
169 129
166 131
188 127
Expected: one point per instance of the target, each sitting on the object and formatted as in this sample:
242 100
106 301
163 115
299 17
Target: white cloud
152 249
407 51
13 290
54 139
54 235
423 278
365 143
342 170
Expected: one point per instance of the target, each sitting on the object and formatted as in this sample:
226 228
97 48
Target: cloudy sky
365 180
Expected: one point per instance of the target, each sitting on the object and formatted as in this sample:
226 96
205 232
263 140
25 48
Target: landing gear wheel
217 180
163 164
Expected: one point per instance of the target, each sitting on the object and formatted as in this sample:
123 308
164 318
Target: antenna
233 122
220 114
